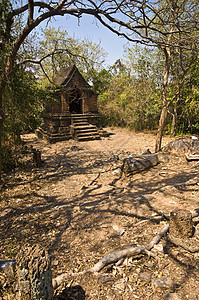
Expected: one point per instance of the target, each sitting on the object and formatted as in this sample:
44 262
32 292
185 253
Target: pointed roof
63 74
66 74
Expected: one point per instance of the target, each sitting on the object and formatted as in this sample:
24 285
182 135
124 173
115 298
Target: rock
105 279
119 230
159 247
181 146
172 296
162 283
145 276
149 264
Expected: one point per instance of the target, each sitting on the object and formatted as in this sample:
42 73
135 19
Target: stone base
52 137
60 127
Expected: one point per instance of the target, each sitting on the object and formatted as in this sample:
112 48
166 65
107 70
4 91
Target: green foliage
101 81
186 104
22 104
86 55
5 7
132 98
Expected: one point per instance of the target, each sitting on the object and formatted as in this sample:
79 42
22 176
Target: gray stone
172 296
105 279
145 276
162 283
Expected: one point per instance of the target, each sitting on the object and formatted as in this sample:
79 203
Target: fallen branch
131 251
156 219
116 257
120 255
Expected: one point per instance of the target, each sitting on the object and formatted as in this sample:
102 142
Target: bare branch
24 8
45 73
51 54
30 11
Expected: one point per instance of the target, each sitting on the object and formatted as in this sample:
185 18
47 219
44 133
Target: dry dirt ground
73 207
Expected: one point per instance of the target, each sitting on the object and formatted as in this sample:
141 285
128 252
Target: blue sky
89 28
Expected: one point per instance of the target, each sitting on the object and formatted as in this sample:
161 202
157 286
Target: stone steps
64 129
89 138
85 128
84 131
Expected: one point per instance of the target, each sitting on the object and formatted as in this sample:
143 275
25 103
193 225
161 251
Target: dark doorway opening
75 102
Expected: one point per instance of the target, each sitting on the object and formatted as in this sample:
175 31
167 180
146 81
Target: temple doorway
75 102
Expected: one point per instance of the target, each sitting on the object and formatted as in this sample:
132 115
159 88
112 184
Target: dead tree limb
119 255
131 251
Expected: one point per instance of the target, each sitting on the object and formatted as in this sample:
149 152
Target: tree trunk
6 73
33 271
167 53
161 128
174 120
2 116
181 224
1 127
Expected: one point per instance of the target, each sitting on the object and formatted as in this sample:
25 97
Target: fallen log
131 251
136 164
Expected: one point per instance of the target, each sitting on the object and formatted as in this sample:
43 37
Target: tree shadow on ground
45 219
36 220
